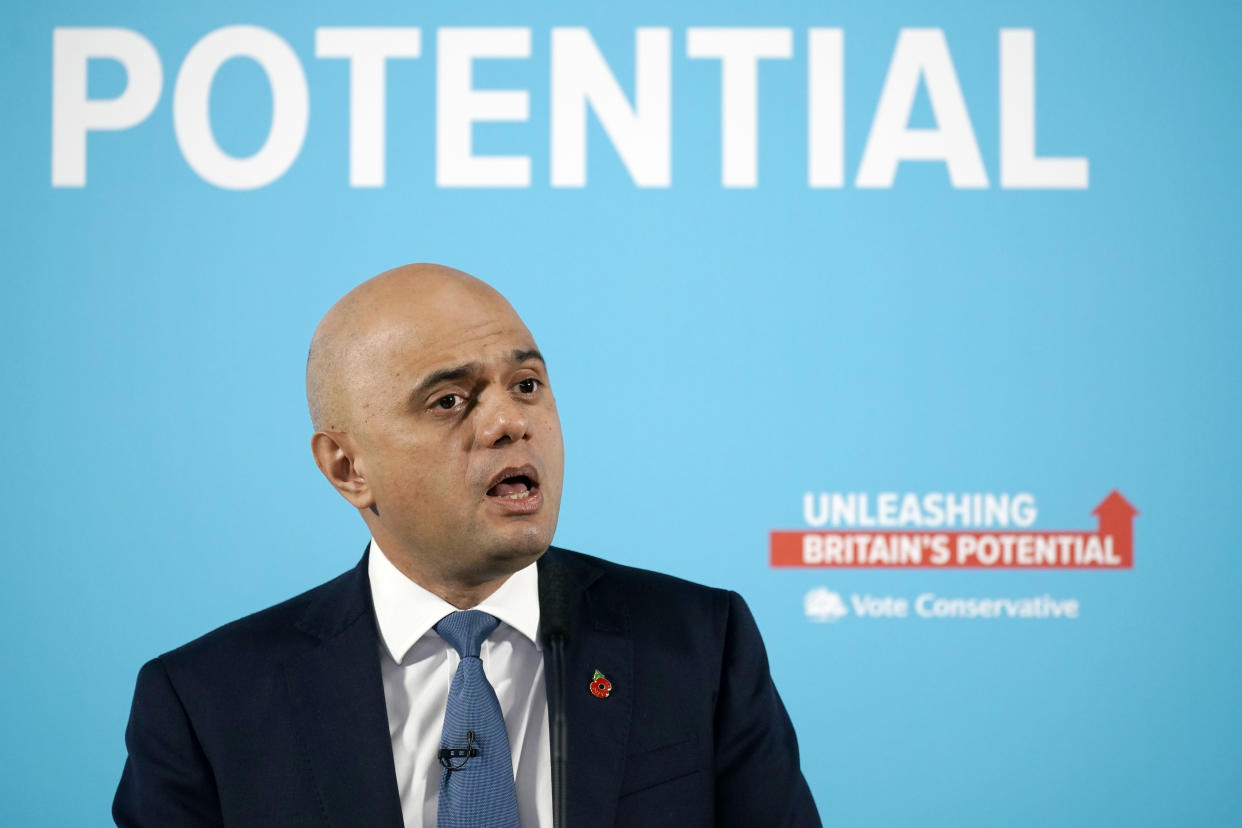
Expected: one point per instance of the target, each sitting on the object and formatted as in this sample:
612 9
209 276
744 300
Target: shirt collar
406 611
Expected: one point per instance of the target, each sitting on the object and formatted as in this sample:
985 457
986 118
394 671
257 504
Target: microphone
553 602
554 627
447 755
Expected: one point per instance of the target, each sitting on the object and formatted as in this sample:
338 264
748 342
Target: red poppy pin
600 686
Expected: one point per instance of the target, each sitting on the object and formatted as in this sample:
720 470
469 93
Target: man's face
457 436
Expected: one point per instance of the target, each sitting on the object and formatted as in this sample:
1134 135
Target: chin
527 545
532 546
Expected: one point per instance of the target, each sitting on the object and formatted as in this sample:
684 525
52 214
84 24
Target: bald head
370 317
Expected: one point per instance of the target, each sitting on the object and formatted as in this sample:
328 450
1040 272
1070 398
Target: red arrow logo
1116 517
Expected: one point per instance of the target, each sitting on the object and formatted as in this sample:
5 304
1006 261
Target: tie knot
466 630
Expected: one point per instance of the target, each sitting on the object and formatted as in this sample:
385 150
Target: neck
462 592
462 596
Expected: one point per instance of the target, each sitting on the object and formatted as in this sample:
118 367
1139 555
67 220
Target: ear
335 456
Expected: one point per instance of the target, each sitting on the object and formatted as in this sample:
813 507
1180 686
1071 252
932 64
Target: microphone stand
557 729
554 621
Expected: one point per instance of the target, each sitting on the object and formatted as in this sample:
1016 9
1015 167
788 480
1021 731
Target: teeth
517 495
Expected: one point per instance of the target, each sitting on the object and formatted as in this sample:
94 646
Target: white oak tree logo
824 606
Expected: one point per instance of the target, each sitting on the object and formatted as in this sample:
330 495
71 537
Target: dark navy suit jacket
279 719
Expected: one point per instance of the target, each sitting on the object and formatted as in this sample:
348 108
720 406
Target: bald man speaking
465 672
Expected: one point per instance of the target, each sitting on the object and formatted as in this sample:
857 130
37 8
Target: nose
502 421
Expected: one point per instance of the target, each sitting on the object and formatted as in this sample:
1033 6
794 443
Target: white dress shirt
418 666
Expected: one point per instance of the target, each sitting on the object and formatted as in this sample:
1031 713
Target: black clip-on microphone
447 755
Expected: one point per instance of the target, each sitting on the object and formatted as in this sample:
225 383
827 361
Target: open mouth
514 484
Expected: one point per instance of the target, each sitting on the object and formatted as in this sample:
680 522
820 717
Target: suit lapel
598 728
338 699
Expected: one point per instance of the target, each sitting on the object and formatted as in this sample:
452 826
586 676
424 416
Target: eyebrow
445 375
526 356
459 372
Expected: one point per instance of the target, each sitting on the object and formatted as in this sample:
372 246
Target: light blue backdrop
716 353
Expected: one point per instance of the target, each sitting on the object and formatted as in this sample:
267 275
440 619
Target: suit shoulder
264 633
645 587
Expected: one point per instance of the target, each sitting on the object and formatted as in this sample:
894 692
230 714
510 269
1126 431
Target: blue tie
476 788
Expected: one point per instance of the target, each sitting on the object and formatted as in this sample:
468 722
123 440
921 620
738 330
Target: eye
528 386
448 402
